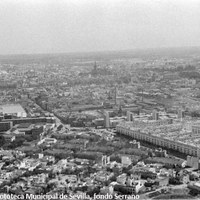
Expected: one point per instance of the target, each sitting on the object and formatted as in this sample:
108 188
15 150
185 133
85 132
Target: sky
58 26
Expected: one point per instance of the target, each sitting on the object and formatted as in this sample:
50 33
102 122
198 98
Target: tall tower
129 116
107 119
155 115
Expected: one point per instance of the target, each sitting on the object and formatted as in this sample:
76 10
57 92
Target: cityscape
120 124
99 99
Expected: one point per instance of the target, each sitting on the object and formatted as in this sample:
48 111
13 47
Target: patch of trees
174 181
131 151
2 141
194 192
88 137
58 153
115 158
68 146
63 136
87 155
15 143
124 190
106 150
146 175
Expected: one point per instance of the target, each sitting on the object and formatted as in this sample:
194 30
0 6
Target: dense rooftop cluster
91 126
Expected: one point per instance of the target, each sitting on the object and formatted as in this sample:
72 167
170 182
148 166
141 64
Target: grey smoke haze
53 26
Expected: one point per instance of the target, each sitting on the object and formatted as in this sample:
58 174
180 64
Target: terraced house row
181 141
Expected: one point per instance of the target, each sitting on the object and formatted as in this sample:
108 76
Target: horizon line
101 51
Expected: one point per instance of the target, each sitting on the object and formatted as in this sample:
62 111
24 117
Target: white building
165 140
13 109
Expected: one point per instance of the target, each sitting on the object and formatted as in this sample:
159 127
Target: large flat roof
12 108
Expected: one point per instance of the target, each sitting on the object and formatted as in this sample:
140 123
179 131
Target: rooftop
181 132
12 108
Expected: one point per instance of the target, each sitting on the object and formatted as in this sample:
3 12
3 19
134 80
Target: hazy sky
50 26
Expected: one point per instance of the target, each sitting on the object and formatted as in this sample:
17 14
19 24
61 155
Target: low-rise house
9 138
139 185
121 179
107 190
184 178
162 181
